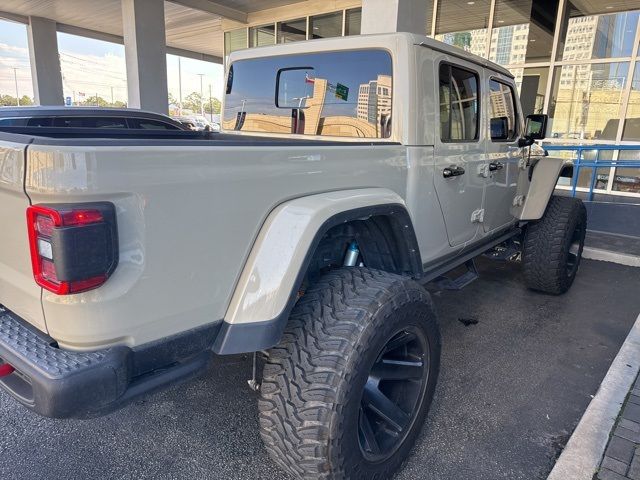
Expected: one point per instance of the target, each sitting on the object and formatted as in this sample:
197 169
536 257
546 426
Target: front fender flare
268 285
542 183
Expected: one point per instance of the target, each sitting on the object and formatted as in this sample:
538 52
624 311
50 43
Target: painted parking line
581 457
609 256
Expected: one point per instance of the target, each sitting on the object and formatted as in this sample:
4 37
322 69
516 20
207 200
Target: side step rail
458 283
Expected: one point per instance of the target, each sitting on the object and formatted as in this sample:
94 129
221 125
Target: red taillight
73 249
6 369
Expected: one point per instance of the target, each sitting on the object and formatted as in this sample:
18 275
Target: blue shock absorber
353 252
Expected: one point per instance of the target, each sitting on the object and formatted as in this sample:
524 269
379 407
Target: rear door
459 149
18 289
503 154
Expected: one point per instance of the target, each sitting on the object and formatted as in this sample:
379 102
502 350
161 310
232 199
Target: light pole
179 86
15 79
210 105
201 94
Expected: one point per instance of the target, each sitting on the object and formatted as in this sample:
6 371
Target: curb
581 457
608 256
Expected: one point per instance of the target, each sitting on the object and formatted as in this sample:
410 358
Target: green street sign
342 92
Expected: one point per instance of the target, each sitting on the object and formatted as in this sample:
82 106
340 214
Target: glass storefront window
464 24
586 99
292 30
353 20
632 118
235 40
262 35
594 32
627 179
326 26
523 31
532 85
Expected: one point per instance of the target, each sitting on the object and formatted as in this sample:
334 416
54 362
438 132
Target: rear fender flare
268 286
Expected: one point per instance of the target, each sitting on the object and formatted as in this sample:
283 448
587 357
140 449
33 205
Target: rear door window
459 106
504 119
344 94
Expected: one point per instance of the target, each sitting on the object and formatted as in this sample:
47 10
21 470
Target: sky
92 66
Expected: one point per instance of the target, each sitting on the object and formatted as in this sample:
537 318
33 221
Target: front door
503 155
460 150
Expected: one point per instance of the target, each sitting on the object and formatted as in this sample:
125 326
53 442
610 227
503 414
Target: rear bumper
62 384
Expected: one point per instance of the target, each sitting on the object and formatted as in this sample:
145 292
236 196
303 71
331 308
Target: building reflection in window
523 31
595 32
532 85
631 130
586 100
344 94
464 25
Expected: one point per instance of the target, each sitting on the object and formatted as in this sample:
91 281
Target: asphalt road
511 390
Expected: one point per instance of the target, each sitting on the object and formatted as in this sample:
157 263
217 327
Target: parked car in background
86 117
187 122
198 123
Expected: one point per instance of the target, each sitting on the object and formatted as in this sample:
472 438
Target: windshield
344 94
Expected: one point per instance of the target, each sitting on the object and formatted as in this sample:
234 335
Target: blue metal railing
579 162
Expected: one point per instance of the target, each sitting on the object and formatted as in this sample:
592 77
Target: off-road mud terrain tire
553 246
338 335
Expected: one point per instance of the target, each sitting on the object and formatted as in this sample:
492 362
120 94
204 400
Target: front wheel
553 246
346 391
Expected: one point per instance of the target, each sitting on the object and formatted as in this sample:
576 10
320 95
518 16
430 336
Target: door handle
493 166
452 171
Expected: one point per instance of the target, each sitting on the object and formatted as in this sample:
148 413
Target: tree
95 101
11 101
193 101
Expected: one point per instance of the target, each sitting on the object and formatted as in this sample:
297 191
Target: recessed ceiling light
471 3
532 40
500 21
608 7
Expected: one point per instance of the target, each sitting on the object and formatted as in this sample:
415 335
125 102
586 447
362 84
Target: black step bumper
61 383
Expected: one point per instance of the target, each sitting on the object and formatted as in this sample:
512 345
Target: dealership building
576 60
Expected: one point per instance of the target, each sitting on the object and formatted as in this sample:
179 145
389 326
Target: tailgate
18 290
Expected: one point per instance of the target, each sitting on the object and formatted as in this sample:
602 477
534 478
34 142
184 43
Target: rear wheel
346 391
553 246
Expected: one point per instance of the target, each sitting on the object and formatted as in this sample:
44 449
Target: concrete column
45 61
386 16
145 52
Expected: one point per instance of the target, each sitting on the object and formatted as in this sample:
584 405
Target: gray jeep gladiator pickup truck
350 173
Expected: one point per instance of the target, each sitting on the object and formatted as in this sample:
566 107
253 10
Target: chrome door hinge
477 216
483 170
518 201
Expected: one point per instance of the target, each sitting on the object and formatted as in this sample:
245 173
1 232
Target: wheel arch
286 249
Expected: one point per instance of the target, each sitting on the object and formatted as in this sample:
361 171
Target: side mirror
294 86
536 127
